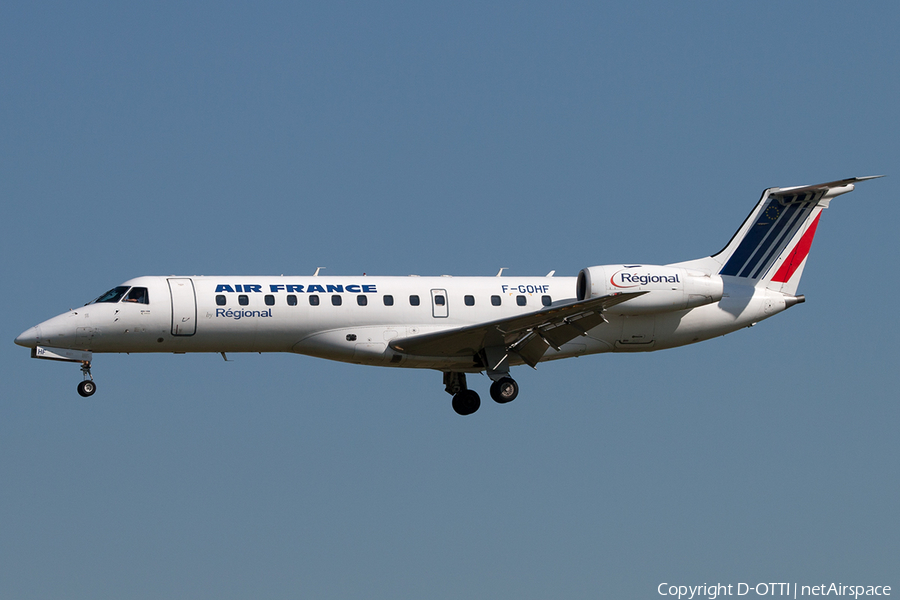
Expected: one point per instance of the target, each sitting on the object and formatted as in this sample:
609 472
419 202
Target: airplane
458 325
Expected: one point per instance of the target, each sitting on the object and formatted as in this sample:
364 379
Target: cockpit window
113 295
138 295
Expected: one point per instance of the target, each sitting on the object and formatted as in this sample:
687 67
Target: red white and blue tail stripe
773 243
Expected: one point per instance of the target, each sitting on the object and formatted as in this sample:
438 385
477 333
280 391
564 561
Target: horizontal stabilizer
802 189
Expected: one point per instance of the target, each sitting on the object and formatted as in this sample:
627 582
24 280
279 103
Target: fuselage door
638 333
439 304
184 306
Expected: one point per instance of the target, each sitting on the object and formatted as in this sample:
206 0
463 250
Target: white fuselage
459 325
356 317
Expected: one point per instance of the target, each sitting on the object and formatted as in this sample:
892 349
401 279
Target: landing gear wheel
86 388
505 390
466 402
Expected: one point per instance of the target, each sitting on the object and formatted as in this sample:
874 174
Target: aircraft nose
29 338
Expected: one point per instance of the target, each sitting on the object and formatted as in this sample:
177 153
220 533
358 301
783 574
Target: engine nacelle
670 288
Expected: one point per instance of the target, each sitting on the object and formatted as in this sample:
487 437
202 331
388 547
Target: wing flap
530 348
527 335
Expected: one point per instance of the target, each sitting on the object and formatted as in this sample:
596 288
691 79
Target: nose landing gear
87 387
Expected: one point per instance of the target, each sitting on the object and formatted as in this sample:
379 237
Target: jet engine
669 288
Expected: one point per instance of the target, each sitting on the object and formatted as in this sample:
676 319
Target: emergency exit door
439 307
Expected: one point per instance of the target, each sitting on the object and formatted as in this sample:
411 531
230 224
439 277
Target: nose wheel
87 387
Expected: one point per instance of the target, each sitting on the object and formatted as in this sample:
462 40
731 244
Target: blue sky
397 138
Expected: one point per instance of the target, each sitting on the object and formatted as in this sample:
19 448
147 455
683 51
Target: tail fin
771 246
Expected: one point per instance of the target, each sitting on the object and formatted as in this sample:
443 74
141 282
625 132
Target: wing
527 335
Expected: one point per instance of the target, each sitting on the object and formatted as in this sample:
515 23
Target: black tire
466 402
505 390
86 388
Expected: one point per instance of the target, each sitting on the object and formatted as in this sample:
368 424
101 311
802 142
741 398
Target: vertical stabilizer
772 245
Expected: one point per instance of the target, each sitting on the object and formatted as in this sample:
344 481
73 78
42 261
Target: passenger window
440 300
292 300
546 301
413 300
313 300
521 300
220 300
388 300
138 295
470 300
495 300
243 300
270 300
362 300
335 300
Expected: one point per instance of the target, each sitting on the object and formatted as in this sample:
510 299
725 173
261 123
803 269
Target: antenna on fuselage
500 272
316 274
551 273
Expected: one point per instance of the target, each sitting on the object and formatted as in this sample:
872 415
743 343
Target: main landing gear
466 401
87 387
504 390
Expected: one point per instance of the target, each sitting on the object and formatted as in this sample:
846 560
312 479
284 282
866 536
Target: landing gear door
439 307
184 306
